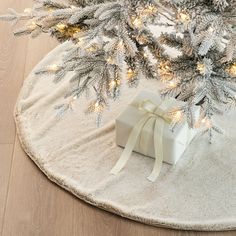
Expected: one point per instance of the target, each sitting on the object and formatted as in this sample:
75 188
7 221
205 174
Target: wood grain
5 167
30 205
12 65
11 77
35 206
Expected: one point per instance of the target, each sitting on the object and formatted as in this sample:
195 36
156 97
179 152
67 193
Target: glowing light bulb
50 9
72 100
151 9
201 68
232 70
120 44
110 60
145 55
206 122
142 39
27 10
172 84
130 71
130 74
93 48
74 31
184 17
53 67
61 26
80 41
165 71
32 25
164 67
112 83
210 29
178 115
137 22
97 107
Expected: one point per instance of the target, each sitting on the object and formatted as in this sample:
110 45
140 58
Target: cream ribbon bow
153 111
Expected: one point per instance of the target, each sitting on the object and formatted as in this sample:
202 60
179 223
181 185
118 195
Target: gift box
144 127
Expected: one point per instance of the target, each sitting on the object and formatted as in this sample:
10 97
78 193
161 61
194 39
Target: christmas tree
114 43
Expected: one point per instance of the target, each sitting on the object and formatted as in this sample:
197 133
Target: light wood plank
11 77
35 206
12 65
92 221
5 167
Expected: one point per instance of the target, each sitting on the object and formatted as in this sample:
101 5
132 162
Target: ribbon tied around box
160 116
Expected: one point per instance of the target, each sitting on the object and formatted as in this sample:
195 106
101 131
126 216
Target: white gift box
174 142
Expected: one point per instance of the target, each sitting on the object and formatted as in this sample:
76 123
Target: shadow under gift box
174 142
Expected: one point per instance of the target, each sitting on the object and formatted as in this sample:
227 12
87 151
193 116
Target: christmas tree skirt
198 193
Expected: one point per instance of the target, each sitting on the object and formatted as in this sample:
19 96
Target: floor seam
13 151
8 185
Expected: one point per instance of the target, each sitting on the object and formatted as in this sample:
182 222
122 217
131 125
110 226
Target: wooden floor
30 204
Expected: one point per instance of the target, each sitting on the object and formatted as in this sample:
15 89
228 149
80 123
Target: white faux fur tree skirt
199 193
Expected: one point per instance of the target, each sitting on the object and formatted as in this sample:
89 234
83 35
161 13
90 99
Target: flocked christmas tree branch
113 43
